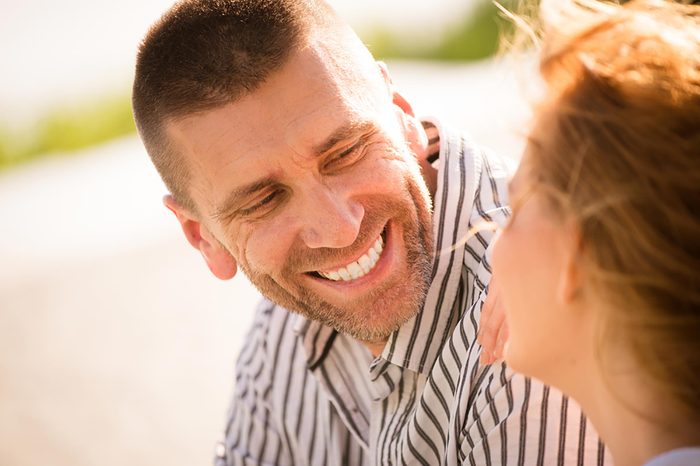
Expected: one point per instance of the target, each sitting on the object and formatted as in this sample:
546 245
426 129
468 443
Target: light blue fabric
678 457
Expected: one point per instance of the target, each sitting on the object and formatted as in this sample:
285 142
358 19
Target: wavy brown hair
616 144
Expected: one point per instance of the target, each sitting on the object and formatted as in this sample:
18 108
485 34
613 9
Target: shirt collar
316 338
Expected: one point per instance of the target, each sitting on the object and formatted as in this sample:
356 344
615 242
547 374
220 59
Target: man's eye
260 205
348 151
346 156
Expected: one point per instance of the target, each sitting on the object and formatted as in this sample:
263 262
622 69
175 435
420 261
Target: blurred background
117 345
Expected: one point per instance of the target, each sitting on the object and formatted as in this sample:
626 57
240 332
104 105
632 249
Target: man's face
309 184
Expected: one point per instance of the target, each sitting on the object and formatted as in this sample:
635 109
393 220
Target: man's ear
413 130
412 127
218 259
396 97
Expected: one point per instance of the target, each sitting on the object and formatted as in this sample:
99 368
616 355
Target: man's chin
366 322
370 319
376 316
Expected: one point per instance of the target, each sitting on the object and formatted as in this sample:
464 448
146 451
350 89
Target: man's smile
360 267
370 269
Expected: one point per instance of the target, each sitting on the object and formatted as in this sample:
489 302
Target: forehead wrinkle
212 127
214 149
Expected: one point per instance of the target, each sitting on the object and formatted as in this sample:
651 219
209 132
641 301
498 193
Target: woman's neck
635 421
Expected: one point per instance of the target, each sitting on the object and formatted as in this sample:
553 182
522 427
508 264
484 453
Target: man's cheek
400 159
241 247
387 173
403 170
390 151
261 253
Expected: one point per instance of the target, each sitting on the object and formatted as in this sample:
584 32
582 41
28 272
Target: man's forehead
218 138
303 102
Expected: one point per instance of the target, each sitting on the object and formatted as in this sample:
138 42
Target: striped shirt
308 395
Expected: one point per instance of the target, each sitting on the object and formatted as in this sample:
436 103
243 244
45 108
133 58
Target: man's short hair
203 54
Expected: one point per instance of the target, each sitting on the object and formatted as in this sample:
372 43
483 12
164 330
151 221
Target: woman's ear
217 258
572 274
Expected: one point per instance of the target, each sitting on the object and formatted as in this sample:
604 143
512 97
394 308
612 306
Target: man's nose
331 219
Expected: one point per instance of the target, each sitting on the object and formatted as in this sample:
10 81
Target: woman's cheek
504 262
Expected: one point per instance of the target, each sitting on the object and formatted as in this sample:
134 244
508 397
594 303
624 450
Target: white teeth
360 267
355 270
365 262
378 245
373 255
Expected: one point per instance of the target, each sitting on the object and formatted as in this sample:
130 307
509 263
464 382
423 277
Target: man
288 153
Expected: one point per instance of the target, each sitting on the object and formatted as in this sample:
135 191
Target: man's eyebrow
238 194
343 133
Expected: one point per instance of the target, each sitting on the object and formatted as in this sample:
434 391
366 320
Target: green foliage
67 130
475 37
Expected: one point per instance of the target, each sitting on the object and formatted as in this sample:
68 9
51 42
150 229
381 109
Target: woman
599 266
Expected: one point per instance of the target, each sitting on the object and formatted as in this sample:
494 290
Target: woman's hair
617 147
